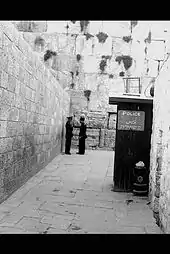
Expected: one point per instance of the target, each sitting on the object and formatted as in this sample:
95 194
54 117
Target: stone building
37 95
33 106
159 154
92 68
160 144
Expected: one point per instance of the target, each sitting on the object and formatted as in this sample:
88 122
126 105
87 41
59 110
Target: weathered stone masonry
32 106
160 144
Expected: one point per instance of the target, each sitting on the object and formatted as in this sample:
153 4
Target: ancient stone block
30 117
22 45
8 29
156 205
5 144
4 111
17 87
26 118
3 127
112 121
94 133
18 143
11 83
1 39
18 103
10 66
108 142
110 134
7 97
101 140
3 160
3 79
28 93
31 26
92 143
4 60
21 75
27 104
22 115
11 129
13 114
18 155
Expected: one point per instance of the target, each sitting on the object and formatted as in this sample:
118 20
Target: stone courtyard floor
73 195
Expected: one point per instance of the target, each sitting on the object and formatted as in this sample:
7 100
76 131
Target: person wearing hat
69 134
82 136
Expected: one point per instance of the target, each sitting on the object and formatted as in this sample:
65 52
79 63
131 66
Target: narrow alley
73 195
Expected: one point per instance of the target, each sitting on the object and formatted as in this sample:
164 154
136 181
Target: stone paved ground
73 194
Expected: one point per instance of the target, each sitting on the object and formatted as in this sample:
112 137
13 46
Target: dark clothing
69 135
82 137
67 145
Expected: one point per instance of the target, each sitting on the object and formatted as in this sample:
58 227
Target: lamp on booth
152 91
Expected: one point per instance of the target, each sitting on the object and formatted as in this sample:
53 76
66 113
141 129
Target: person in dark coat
69 134
82 136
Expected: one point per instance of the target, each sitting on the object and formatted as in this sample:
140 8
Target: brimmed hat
82 118
69 117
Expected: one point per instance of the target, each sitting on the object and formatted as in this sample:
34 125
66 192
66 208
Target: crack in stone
46 231
73 227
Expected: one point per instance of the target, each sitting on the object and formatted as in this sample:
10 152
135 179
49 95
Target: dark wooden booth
133 136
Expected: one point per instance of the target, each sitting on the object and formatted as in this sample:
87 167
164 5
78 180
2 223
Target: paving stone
63 199
128 230
92 187
57 222
11 203
56 231
11 219
11 230
65 193
56 208
44 213
84 194
33 225
91 223
73 195
27 210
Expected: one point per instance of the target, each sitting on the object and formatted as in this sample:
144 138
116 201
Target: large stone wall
87 74
31 26
32 108
160 150
101 130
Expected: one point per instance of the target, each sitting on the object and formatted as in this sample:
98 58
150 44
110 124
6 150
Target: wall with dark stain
32 106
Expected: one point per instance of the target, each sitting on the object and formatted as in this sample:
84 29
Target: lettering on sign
131 120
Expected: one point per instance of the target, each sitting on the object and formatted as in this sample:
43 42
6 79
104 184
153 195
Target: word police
132 113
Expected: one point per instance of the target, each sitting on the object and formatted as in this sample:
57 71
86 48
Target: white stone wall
160 159
144 65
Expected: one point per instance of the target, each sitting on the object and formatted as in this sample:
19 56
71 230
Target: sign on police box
131 120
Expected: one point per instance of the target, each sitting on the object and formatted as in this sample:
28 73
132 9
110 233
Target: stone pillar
102 137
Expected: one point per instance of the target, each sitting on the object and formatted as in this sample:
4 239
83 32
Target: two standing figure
69 135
